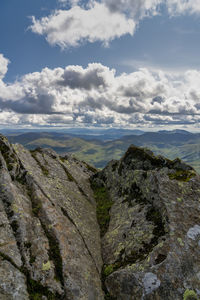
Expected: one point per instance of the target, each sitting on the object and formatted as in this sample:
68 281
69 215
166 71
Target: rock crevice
58 255
68 231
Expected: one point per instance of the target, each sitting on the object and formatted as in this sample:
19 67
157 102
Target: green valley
100 149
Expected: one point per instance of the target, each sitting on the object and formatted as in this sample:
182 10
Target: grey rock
12 282
150 282
194 232
49 234
50 246
150 249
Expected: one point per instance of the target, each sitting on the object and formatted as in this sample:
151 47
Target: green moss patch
190 295
37 291
46 266
108 270
104 204
182 175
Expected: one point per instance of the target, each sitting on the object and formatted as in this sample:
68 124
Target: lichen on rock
68 231
190 295
51 239
149 249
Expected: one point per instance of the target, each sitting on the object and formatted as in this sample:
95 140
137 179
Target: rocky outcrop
151 245
130 231
49 236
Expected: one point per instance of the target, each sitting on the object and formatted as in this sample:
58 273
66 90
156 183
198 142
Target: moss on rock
182 175
190 295
104 204
108 270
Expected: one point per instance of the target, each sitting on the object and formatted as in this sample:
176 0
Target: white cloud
3 65
179 7
71 27
69 2
103 20
95 76
138 9
97 96
142 8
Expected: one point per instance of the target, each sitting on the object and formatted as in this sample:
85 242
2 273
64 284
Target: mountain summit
68 231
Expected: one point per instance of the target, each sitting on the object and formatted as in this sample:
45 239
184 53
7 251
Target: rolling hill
98 149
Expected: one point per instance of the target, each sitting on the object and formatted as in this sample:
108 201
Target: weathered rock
152 244
148 210
49 236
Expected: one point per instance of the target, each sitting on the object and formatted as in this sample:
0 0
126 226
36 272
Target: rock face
49 236
151 248
131 231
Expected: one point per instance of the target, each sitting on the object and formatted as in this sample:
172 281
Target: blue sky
160 37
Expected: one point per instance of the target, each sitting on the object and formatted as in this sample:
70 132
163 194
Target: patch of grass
37 291
104 204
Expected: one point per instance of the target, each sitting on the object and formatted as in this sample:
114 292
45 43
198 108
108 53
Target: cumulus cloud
95 95
137 9
71 27
97 21
103 20
94 76
3 66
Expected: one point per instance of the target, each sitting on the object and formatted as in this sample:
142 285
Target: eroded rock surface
129 232
49 236
151 247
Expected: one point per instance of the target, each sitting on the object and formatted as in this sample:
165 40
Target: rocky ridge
130 231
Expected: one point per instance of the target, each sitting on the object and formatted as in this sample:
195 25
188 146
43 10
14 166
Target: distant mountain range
86 133
97 147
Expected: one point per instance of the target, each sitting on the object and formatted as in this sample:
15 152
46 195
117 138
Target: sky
100 63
